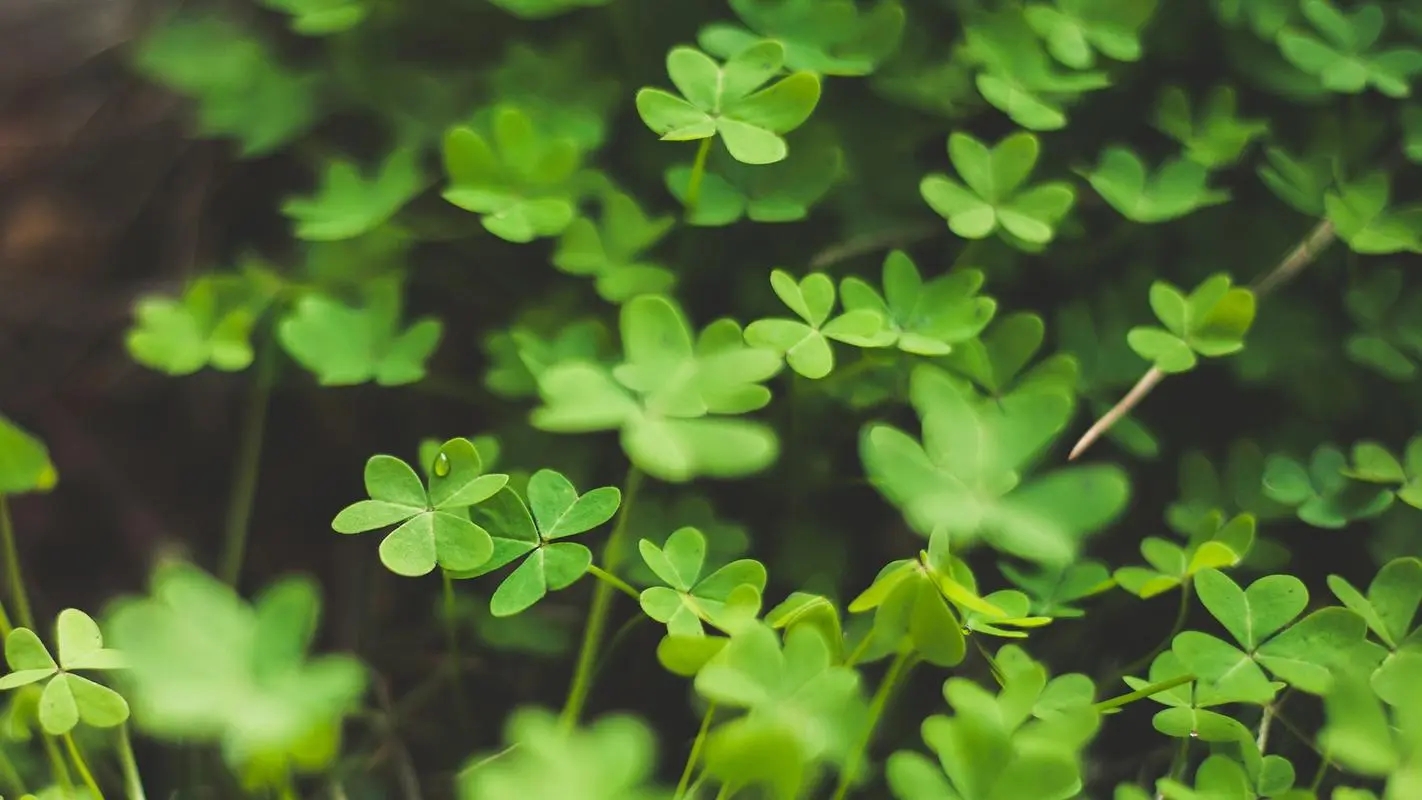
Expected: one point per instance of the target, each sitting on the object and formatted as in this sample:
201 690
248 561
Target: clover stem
57 765
695 755
1181 615
1142 693
10 775
84 774
601 605
249 456
616 582
902 663
698 174
128 763
451 634
859 649
13 574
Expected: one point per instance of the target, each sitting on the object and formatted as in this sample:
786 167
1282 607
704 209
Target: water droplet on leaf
441 465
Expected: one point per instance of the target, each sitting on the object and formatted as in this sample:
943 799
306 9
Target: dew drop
1194 734
441 465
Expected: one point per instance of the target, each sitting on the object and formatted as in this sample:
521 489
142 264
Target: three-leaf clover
924 318
210 325
1339 51
434 528
345 345
321 17
557 512
1187 713
1360 212
25 465
830 37
1366 740
1213 136
806 341
727 100
347 204
1018 77
1052 589
1320 491
1214 544
994 197
1075 30
611 250
1372 463
1179 187
1390 608
517 178
67 698
690 597
1212 321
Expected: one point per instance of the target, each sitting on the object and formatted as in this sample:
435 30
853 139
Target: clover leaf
994 198
1215 544
691 596
779 192
543 9
612 759
210 325
516 177
1052 590
661 395
996 361
347 204
1301 181
1018 77
1211 322
1215 137
433 526
243 90
321 17
611 250
205 666
655 516
1366 740
1389 609
1320 492
806 342
728 100
559 87
67 698
522 352
1075 30
1372 463
1205 490
531 532
1339 50
344 345
830 37
929 318
1187 714
966 475
1179 187
25 465
1360 211
1389 318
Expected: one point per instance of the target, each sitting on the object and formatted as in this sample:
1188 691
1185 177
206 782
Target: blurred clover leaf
812 611
1360 211
926 319
516 177
1214 544
532 532
1372 463
1238 488
1214 135
1018 77
210 325
1366 740
994 197
344 345
798 701
728 100
242 89
321 17
543 9
1390 609
1339 50
433 527
1301 181
661 395
1303 654
1212 321
611 250
521 353
1054 589
996 361
967 474
612 759
25 465
1389 319
691 595
806 342
1179 187
204 666
67 698
559 88
1075 30
830 37
347 204
1320 492
779 192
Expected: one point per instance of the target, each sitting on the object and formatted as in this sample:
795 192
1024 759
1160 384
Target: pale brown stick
1301 256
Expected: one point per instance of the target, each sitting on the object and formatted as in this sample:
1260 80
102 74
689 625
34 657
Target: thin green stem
601 605
1323 764
900 667
859 649
616 582
128 763
698 175
725 793
78 758
1182 614
249 456
695 755
1142 693
451 635
10 775
13 574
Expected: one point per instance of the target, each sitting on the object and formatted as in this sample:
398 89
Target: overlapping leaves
994 197
1212 321
67 698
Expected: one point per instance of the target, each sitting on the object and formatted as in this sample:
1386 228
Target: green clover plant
806 341
68 698
691 595
344 345
347 204
994 197
829 37
611 250
1176 189
923 318
1213 135
1212 322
